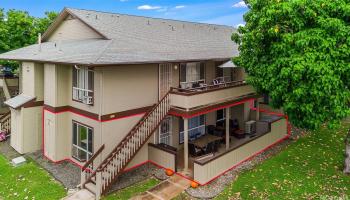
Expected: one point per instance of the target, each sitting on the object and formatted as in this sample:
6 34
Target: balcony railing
208 88
209 94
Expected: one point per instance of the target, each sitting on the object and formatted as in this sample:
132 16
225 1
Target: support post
227 110
257 111
98 185
185 144
82 179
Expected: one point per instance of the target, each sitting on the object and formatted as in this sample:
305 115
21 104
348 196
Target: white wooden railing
114 164
5 123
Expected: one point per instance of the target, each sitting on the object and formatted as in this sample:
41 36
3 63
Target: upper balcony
207 95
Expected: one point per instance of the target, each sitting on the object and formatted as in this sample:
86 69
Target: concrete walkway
81 195
167 189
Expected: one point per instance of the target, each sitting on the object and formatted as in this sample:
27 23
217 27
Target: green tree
298 52
19 29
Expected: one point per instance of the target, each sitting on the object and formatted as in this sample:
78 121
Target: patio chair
198 135
211 129
211 148
194 151
196 85
216 82
193 137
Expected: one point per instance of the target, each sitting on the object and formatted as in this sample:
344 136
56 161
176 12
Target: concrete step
81 195
91 187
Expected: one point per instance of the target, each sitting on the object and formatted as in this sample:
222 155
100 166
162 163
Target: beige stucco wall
26 133
58 134
115 131
16 130
123 88
58 88
163 158
73 29
32 77
129 87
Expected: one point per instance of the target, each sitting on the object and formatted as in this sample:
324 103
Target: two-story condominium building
111 92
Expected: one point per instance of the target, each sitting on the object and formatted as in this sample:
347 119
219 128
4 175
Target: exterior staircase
99 178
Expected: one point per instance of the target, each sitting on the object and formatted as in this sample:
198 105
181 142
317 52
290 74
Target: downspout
100 110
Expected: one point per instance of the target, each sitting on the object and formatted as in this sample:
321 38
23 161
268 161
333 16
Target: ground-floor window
82 148
165 131
220 115
196 128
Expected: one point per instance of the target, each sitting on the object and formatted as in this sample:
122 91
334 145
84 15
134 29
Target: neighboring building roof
132 40
19 101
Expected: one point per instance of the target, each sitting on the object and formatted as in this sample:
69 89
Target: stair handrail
92 159
131 132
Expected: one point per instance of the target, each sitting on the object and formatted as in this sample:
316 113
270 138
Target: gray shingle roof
134 39
19 101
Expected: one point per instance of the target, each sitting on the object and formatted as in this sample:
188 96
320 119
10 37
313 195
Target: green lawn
28 181
134 190
310 168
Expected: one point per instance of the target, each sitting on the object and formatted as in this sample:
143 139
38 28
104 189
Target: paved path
167 189
81 195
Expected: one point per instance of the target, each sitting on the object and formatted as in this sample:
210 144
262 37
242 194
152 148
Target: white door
165 83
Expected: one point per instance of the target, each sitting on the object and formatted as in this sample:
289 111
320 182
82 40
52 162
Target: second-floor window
192 75
83 85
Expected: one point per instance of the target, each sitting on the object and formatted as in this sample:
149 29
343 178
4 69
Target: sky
224 12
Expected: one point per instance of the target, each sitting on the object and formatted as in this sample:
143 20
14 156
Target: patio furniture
203 141
193 137
216 82
196 85
219 131
212 147
211 129
239 134
194 151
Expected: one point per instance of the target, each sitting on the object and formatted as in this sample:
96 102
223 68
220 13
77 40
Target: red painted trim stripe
118 118
82 115
157 165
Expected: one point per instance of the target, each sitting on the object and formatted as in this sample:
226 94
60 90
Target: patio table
203 141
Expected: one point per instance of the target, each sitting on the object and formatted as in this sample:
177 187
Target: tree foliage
19 29
298 52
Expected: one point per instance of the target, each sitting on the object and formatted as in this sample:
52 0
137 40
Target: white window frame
76 147
165 137
82 92
194 130
224 116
